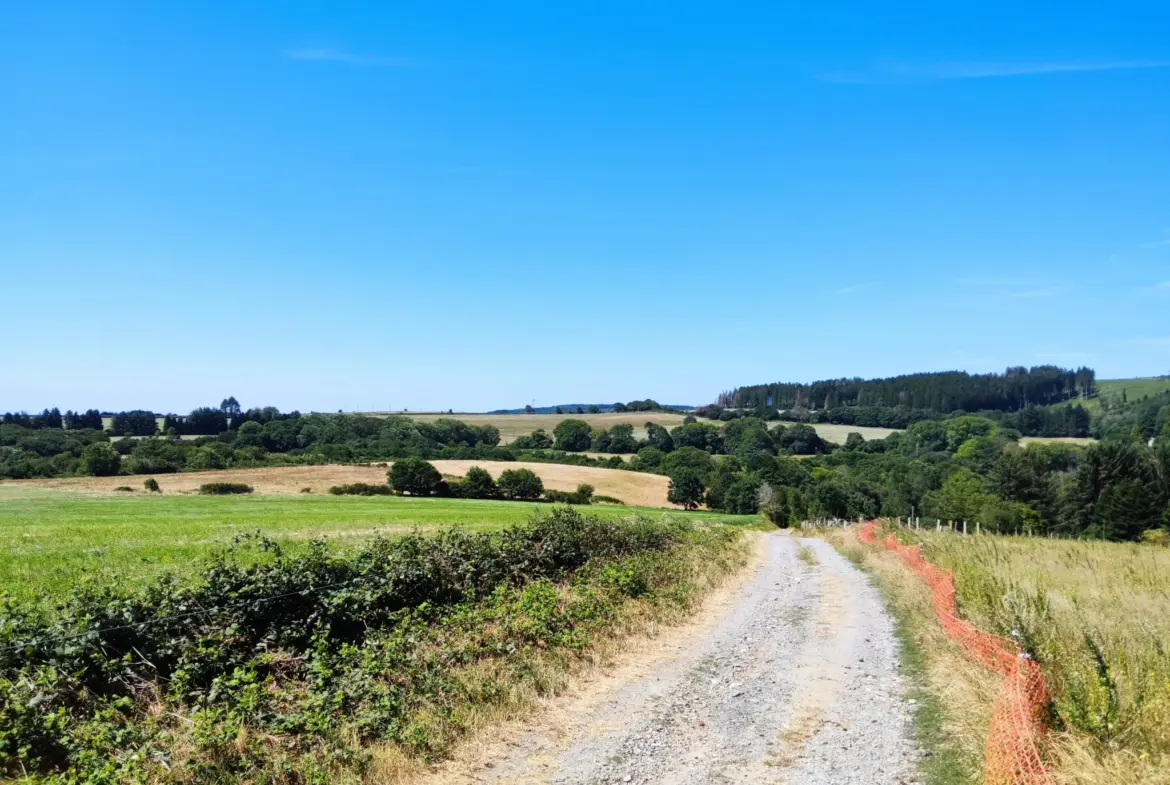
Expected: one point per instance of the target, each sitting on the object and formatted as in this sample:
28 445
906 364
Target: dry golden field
635 488
514 425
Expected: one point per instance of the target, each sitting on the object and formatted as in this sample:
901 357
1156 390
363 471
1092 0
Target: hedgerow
286 666
361 489
224 488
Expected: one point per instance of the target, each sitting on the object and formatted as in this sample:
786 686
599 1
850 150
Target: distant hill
1110 391
571 408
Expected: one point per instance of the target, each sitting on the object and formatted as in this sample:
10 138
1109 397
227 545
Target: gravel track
796 682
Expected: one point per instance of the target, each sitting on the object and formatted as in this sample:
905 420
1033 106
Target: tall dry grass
1096 615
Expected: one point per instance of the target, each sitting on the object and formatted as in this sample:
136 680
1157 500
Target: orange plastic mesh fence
1016 734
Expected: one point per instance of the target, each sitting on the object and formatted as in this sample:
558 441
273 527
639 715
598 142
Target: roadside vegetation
321 666
1095 616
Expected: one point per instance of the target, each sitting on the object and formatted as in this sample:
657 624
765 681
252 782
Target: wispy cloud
857 287
328 55
1158 341
893 73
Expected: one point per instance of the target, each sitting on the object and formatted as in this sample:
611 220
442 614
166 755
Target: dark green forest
942 393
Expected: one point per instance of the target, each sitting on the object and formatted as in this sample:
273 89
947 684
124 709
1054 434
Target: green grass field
1135 389
50 540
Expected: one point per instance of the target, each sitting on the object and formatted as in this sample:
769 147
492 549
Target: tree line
1016 388
965 467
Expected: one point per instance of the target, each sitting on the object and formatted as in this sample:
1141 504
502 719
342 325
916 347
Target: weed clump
361 489
224 488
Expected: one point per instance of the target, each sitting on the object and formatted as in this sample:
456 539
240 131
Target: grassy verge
1096 616
317 666
954 698
50 540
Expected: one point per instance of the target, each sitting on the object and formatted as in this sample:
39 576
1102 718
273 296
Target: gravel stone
797 683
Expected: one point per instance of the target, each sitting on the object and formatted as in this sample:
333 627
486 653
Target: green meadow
50 540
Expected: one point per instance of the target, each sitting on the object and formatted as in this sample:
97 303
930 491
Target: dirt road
791 677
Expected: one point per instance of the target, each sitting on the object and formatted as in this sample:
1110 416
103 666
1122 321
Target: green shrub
599 499
520 485
224 488
100 459
414 476
583 495
1158 537
151 485
361 489
478 484
573 435
124 489
537 440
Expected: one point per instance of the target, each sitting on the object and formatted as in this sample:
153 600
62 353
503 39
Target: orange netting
1014 738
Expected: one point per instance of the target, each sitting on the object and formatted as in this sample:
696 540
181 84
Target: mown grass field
1096 615
51 539
1072 440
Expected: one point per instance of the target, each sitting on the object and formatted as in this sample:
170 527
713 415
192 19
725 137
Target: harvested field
514 425
636 488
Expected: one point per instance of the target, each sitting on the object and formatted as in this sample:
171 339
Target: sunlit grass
1096 615
49 540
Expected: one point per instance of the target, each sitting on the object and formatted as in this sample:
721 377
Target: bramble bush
224 488
361 489
281 665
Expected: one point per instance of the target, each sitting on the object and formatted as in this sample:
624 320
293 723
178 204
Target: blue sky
477 205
